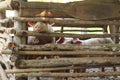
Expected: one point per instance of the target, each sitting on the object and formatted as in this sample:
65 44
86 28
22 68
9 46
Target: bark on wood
48 74
42 9
66 47
74 30
7 30
66 62
28 70
104 1
33 33
17 27
74 53
93 11
6 51
24 39
70 22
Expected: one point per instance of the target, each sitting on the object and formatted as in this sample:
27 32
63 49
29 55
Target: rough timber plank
49 74
84 10
59 62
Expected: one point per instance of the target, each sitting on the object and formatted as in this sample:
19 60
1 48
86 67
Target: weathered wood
5 5
70 22
104 1
33 33
77 30
42 9
6 51
24 39
66 62
93 11
74 53
17 27
69 47
7 30
49 74
28 70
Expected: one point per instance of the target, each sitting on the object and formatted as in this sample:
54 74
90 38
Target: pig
91 41
64 40
43 28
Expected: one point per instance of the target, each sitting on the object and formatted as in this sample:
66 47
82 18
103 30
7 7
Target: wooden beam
33 33
70 22
66 62
6 51
49 74
67 47
93 11
47 9
73 53
7 30
28 70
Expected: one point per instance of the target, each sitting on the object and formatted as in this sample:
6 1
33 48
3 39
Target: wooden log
93 11
49 74
6 51
7 30
17 27
73 53
66 62
67 47
33 33
104 1
28 70
70 22
78 30
47 9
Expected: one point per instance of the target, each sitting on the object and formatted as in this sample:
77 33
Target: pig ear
30 23
60 40
51 23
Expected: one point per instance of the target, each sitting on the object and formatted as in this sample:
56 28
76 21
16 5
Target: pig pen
53 61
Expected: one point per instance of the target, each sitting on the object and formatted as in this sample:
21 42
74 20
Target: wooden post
17 27
114 29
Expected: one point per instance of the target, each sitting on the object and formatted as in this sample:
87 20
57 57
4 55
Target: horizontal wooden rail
49 74
33 33
28 70
59 62
77 30
64 53
70 22
63 47
67 47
